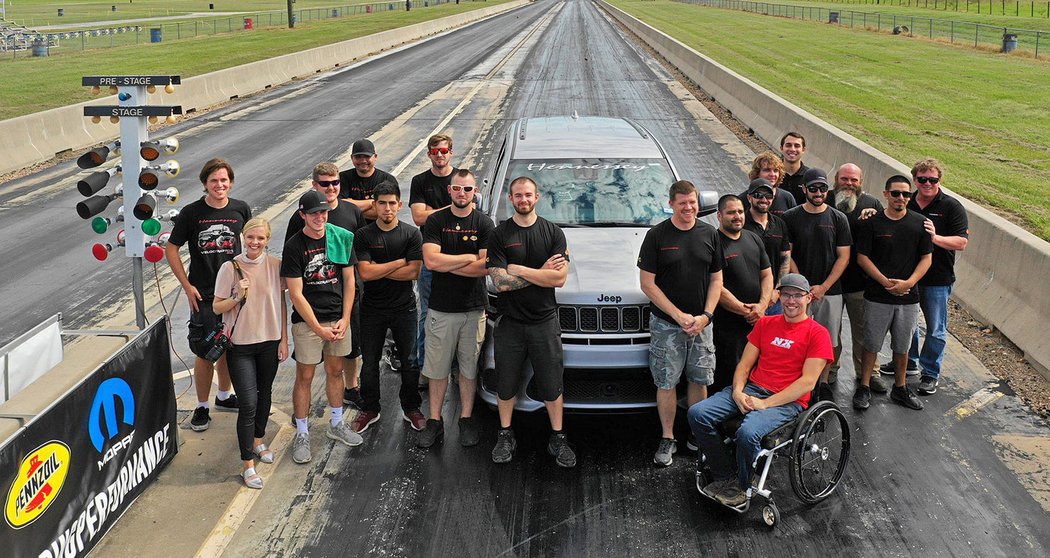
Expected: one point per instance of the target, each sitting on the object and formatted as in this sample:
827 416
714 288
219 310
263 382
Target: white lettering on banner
89 523
115 449
633 167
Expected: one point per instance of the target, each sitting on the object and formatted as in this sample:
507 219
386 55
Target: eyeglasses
792 296
813 189
328 183
762 195
899 193
458 188
927 179
440 150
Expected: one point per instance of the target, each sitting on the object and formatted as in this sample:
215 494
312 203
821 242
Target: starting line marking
975 402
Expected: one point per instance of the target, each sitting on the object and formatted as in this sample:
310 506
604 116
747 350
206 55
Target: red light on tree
153 253
101 251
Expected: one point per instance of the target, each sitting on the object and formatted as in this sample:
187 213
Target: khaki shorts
453 335
308 348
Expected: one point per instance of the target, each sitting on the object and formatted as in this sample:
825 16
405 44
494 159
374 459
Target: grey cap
759 183
815 176
795 281
313 202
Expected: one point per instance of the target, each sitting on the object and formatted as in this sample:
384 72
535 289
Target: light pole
291 15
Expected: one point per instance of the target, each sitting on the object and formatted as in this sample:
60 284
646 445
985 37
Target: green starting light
151 227
101 224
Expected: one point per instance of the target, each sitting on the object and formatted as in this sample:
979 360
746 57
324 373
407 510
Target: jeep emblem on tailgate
607 298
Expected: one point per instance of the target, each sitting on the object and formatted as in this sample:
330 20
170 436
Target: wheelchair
818 446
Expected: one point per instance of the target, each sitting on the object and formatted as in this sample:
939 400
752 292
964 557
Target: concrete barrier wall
1002 274
35 138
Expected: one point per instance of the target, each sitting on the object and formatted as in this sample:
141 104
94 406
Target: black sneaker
505 446
904 396
352 398
228 404
559 448
862 398
824 392
690 443
878 385
432 433
889 370
927 385
201 419
469 434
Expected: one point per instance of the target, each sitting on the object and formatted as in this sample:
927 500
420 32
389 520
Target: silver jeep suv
604 181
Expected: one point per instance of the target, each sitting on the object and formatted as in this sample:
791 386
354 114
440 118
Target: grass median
983 115
34 84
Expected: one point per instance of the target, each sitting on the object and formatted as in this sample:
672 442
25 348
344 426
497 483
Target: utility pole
291 15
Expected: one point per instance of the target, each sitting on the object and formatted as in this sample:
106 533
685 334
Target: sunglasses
440 150
817 188
927 179
328 183
458 188
899 193
762 195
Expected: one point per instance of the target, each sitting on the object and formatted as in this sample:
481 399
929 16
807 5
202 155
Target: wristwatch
710 318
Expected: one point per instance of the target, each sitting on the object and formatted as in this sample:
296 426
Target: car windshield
595 192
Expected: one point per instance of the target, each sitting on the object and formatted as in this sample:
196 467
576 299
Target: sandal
264 453
251 478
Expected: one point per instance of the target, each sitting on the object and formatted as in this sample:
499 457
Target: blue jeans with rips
707 414
933 301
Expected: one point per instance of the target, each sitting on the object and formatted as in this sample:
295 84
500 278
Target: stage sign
72 471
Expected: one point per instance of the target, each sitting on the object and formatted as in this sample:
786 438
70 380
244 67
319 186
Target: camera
217 342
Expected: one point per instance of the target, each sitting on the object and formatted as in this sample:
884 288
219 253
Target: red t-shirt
783 349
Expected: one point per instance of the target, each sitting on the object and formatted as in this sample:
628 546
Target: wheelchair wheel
770 514
819 452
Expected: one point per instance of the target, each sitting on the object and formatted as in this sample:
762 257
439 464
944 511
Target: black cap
759 183
815 176
363 147
313 202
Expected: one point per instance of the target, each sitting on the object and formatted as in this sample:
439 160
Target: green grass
983 115
1010 8
34 84
38 13
1038 23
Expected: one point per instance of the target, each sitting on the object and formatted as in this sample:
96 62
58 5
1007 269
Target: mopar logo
607 298
105 404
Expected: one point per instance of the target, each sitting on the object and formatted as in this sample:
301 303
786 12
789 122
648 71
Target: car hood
603 262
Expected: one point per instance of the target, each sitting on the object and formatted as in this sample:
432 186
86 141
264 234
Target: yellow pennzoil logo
40 478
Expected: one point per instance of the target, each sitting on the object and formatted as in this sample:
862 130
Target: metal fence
951 31
1017 8
23 42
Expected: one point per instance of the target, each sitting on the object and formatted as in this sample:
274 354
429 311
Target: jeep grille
603 319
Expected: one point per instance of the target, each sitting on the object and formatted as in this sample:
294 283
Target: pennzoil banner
70 473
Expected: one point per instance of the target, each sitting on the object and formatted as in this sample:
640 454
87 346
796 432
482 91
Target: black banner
75 468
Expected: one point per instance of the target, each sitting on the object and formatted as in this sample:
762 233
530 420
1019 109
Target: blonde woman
249 294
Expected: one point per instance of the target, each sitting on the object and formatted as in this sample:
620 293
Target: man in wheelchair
771 386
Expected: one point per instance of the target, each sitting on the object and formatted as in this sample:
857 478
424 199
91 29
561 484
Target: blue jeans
705 415
933 301
423 285
775 309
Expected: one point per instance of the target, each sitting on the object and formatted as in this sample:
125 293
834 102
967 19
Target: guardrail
1005 39
1001 276
54 42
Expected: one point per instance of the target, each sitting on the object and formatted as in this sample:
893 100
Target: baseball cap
815 176
795 281
313 202
759 183
363 147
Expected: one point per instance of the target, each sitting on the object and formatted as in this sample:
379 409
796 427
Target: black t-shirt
814 238
794 185
354 187
895 248
782 202
214 236
345 215
854 279
307 259
744 258
430 189
683 262
457 235
774 237
949 219
530 247
375 245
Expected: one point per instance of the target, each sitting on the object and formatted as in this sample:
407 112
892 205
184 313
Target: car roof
569 137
